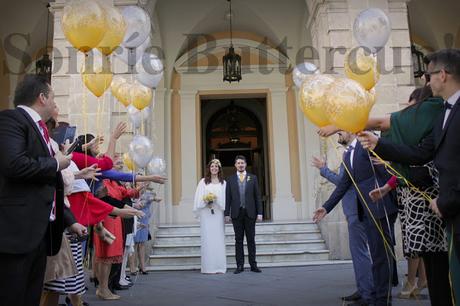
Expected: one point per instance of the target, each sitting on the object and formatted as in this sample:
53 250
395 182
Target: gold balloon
313 98
123 94
128 161
98 80
83 24
141 96
348 105
117 81
116 28
362 68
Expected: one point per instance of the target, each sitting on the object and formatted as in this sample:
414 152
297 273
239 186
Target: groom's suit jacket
253 202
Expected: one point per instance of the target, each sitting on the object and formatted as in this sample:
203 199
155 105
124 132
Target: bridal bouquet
209 199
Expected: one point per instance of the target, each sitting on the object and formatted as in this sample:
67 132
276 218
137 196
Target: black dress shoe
359 302
353 297
238 270
255 269
121 287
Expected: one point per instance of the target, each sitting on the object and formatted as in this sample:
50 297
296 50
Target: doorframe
239 94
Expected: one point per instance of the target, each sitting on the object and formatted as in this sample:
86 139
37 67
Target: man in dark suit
375 216
32 214
442 146
359 249
243 204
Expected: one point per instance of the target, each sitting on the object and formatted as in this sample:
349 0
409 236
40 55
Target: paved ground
314 285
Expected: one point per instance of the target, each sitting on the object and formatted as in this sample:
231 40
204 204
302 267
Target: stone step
169 239
260 227
260 264
262 257
313 244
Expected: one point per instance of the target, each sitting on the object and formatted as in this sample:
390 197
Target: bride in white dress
213 257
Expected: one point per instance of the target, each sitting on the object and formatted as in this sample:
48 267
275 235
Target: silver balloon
136 116
131 56
138 26
141 151
156 166
302 71
150 70
372 29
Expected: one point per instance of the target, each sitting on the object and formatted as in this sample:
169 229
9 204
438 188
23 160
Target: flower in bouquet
209 199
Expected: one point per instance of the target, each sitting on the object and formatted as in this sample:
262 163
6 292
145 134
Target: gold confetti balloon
116 28
141 96
313 98
348 105
84 25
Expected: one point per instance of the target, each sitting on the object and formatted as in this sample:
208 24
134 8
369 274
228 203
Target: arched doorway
232 127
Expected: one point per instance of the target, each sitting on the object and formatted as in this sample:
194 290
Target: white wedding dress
213 257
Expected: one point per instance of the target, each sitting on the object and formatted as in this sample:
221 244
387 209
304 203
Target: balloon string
84 110
377 224
394 172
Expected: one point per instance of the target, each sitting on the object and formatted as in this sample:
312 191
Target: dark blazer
253 202
363 174
443 147
28 182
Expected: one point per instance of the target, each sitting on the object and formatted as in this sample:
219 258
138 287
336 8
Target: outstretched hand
119 130
379 193
368 140
327 130
318 162
319 214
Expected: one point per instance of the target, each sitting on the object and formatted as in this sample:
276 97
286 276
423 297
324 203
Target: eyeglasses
428 74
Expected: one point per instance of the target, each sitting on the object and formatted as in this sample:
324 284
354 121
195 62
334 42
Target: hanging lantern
44 66
231 60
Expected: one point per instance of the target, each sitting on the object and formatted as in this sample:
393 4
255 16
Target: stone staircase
177 247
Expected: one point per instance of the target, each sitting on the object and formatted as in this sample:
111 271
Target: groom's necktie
241 177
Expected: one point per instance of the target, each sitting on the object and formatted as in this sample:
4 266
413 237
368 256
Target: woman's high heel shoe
106 295
409 290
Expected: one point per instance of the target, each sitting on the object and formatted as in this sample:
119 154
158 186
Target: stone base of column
284 208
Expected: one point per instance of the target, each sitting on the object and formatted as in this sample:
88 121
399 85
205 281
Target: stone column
183 211
283 204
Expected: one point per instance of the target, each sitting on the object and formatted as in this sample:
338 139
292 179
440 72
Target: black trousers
244 225
437 274
22 277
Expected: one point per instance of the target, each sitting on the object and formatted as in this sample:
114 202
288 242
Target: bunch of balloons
93 25
131 93
346 102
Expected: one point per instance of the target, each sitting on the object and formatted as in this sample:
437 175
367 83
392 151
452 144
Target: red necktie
46 135
45 131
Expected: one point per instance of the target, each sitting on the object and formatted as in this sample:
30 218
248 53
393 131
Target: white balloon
156 166
138 26
131 56
136 116
372 29
150 70
302 71
141 150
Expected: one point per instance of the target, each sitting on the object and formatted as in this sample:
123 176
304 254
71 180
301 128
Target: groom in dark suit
32 211
243 205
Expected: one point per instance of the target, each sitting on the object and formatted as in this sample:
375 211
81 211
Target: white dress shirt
452 100
352 150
